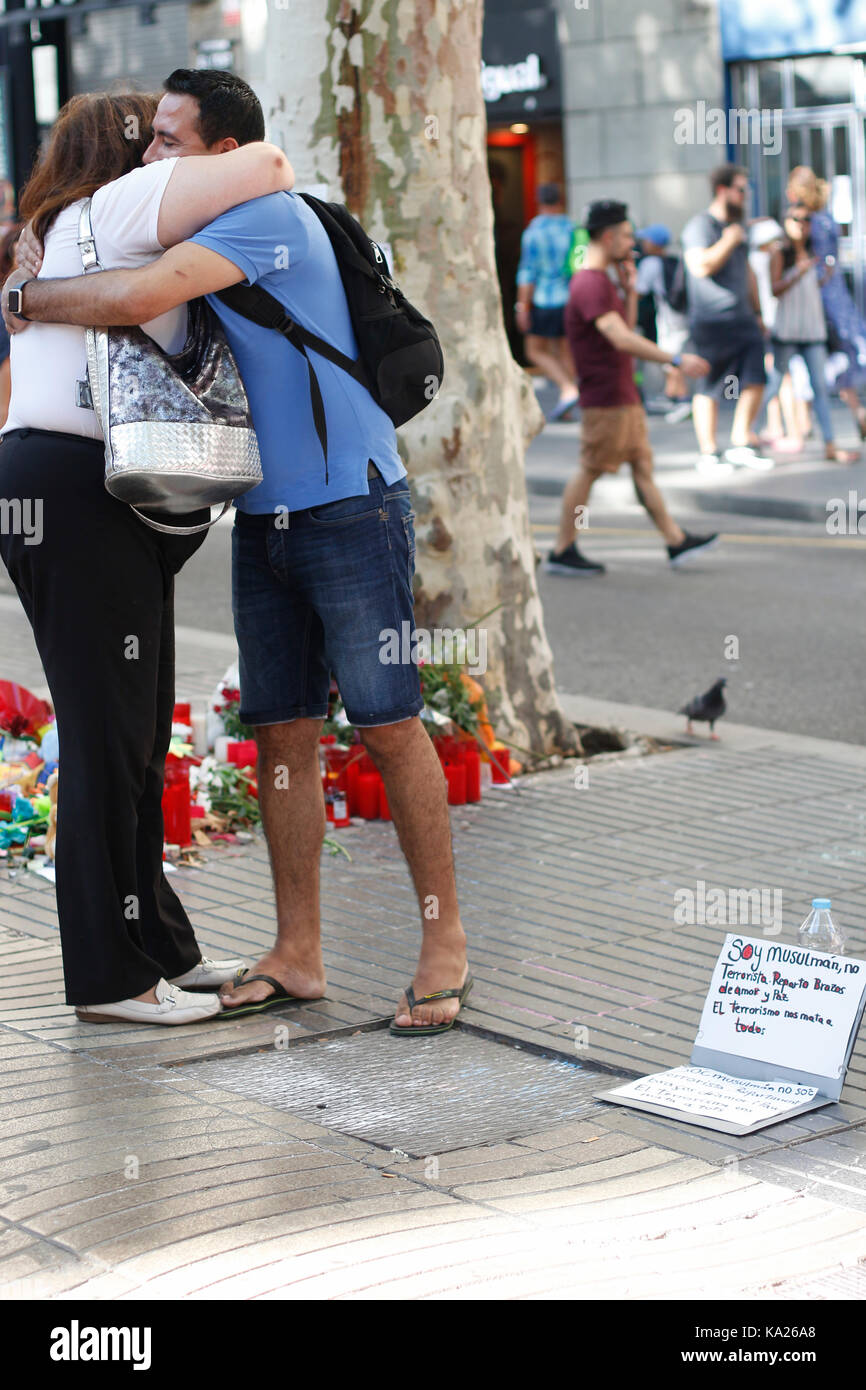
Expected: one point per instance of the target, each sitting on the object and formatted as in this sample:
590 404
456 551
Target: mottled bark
381 100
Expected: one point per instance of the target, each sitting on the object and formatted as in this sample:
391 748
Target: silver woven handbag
177 428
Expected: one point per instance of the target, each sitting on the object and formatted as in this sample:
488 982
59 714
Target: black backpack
674 272
400 357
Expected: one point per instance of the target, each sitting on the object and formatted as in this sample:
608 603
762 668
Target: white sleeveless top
48 359
800 315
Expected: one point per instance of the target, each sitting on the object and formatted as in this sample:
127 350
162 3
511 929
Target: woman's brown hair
95 139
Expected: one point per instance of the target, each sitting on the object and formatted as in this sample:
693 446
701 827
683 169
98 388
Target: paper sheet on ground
700 1091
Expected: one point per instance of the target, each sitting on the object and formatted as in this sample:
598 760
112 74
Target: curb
740 738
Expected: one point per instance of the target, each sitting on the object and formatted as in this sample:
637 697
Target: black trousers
98 588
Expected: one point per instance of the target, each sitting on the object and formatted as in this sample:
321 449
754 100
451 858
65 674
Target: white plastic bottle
819 932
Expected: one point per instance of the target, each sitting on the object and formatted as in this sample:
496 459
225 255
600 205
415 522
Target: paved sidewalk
224 1160
798 488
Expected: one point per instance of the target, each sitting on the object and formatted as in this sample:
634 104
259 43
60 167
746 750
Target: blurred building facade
634 99
640 99
53 49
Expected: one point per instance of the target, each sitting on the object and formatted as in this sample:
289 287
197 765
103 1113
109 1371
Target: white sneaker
711 466
174 1007
747 457
209 974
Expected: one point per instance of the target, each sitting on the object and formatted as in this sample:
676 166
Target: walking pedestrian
725 324
800 326
847 328
662 276
789 415
542 294
601 334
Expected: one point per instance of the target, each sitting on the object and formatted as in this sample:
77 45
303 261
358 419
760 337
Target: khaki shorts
613 435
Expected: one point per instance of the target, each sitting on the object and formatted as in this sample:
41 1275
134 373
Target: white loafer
174 1007
209 974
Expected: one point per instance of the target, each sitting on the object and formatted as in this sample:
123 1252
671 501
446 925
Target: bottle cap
821 902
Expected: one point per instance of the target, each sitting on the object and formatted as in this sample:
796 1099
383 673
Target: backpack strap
257 305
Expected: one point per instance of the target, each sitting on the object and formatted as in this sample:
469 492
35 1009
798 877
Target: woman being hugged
97 583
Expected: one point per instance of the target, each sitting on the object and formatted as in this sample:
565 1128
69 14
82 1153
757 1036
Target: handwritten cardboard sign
776 1032
782 1004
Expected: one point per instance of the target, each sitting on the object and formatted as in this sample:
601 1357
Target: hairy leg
418 800
293 815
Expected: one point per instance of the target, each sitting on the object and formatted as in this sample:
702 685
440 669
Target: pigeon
706 708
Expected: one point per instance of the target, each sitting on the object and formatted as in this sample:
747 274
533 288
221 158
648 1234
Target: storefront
804 71
521 82
50 51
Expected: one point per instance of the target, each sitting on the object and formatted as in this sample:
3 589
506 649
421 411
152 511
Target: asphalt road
643 634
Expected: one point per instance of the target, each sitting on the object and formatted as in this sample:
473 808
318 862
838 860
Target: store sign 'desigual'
498 80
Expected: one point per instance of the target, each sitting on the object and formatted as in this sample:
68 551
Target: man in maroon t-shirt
600 332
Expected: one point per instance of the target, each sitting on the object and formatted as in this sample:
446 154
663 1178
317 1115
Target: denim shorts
319 591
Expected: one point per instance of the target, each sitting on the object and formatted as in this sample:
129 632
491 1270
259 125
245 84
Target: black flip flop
279 996
413 1030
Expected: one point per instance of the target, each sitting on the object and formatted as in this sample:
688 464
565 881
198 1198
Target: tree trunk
381 101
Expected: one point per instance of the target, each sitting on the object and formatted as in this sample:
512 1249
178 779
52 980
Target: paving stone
569 904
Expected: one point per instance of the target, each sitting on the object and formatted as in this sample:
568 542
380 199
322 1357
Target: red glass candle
455 774
472 764
175 811
368 795
500 759
182 712
242 753
336 761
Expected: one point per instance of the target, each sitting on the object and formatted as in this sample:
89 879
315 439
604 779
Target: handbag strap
180 530
86 243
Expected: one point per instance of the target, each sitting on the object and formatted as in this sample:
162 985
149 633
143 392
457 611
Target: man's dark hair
726 175
602 214
549 194
228 106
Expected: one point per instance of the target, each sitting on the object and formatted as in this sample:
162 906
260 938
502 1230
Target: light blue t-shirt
279 243
544 248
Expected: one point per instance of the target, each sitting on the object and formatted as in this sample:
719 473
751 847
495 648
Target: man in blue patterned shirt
542 294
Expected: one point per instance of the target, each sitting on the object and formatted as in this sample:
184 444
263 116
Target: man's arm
620 336
755 295
627 273
526 276
202 187
705 261
111 298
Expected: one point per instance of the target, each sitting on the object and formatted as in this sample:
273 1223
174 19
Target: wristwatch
676 360
15 299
